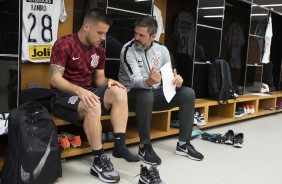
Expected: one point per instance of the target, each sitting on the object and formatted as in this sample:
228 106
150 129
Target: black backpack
219 82
33 154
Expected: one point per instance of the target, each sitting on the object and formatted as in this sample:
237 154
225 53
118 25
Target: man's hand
112 82
154 77
178 81
87 97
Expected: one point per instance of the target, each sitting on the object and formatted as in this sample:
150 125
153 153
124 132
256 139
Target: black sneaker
189 151
217 138
148 155
150 176
104 170
238 140
228 137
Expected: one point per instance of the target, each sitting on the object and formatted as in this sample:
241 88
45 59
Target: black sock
97 154
120 149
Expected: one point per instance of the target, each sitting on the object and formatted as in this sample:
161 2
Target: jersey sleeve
63 14
60 52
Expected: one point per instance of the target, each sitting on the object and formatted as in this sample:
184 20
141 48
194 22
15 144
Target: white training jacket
135 64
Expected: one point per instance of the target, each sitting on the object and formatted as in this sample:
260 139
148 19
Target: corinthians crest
95 60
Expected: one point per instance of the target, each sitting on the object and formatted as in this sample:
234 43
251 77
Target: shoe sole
150 163
186 155
238 145
228 142
98 175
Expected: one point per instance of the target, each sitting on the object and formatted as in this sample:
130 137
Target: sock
120 149
97 154
181 143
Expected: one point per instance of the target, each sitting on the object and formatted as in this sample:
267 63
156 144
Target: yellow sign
40 52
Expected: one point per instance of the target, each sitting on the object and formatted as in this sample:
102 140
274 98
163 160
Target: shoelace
154 174
150 149
105 164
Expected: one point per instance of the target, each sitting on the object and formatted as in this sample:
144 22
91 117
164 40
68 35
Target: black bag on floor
219 82
33 154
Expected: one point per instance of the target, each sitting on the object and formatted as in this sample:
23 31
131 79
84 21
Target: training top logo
156 61
95 60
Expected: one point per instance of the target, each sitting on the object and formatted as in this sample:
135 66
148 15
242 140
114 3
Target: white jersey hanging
158 16
40 28
268 37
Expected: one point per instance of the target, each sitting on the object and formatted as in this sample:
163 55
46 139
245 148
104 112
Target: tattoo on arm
55 69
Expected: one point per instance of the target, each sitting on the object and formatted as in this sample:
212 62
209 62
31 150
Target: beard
140 45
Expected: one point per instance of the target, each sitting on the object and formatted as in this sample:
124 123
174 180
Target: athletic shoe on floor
238 140
189 151
217 138
150 176
228 137
104 170
148 155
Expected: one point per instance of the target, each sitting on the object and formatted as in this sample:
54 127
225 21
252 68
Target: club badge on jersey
40 28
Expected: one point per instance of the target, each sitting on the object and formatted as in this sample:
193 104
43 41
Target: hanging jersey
235 39
268 37
40 28
96 4
185 33
158 16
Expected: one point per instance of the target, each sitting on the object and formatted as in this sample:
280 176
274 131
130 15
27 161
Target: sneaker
150 176
104 170
252 109
104 138
148 155
63 141
189 151
238 140
196 117
239 112
201 119
74 140
217 138
110 137
228 137
174 123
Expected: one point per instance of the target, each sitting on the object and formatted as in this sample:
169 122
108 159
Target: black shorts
64 105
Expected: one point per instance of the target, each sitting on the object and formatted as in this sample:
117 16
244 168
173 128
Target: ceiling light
259 14
213 16
269 5
211 8
140 0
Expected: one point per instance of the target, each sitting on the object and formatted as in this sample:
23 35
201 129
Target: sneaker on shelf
110 137
148 155
75 140
239 112
238 140
217 138
245 110
174 123
104 170
63 141
201 119
189 151
196 117
252 109
150 176
104 138
248 111
228 137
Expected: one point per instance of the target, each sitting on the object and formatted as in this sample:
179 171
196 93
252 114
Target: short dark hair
96 15
148 22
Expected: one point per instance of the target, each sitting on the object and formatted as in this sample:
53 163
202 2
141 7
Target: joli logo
40 52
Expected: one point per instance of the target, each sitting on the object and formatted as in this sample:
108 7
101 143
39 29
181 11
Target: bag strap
223 72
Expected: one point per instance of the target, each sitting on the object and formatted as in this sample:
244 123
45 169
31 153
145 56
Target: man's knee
116 94
186 93
145 98
94 112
